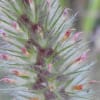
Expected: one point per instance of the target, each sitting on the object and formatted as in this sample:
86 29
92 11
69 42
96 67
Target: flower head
83 57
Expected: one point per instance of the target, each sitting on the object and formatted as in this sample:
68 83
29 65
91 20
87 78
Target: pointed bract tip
83 57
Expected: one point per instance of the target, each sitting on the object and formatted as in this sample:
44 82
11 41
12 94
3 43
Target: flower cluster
45 47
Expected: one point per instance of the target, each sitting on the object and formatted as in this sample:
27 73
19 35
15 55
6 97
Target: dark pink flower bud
65 13
67 34
24 51
93 82
8 80
2 33
83 57
4 56
76 36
